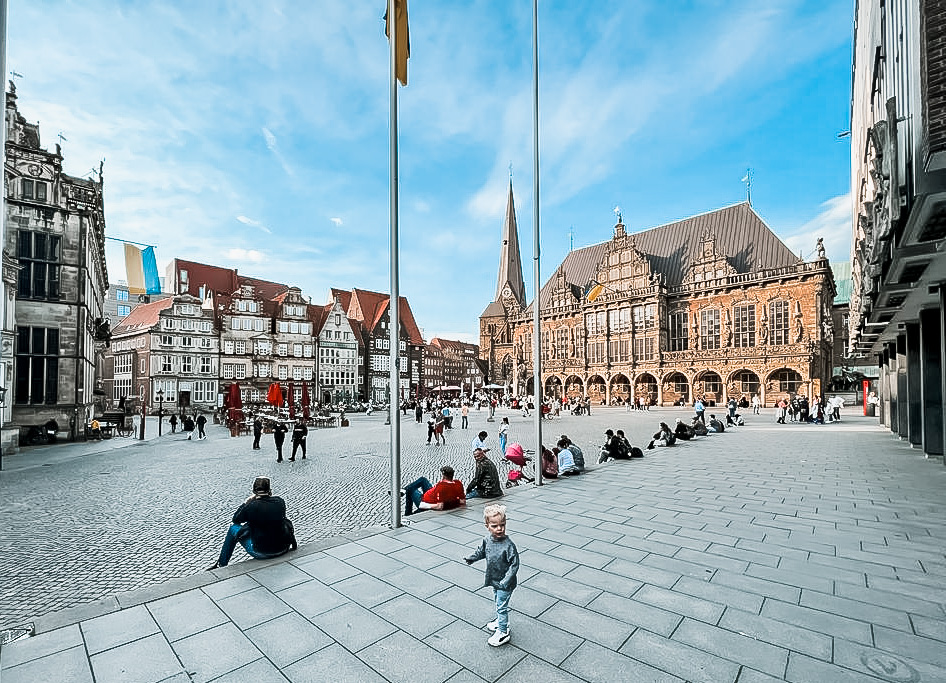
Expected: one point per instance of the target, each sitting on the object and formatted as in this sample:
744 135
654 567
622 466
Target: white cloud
255 224
337 221
834 225
246 255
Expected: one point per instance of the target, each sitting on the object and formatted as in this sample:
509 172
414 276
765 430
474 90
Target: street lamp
160 394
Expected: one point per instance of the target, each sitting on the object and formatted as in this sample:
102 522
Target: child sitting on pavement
502 565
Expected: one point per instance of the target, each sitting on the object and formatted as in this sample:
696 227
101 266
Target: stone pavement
802 553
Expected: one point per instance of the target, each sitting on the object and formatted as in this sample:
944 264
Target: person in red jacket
447 494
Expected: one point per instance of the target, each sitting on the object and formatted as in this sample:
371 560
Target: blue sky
254 135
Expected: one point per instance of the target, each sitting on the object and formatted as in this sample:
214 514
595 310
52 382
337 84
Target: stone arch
645 386
620 391
676 388
783 381
530 386
553 388
597 389
574 387
744 382
709 385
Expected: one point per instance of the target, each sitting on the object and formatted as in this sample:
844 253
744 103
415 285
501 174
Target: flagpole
537 329
394 377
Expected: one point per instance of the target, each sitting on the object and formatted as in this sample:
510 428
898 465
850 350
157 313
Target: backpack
636 452
549 464
577 455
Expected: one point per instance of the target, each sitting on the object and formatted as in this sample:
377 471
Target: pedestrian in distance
260 526
187 425
257 432
503 433
201 423
299 433
465 416
173 421
279 438
502 566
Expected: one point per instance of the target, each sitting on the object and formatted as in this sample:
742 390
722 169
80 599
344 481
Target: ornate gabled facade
52 345
713 306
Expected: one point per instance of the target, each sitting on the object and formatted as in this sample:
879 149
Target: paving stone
343 665
325 568
467 646
253 607
230 586
778 633
287 639
41 645
531 669
733 646
70 665
588 624
368 591
417 583
598 664
556 587
471 607
803 669
906 645
401 658
118 628
311 598
185 614
279 576
817 620
214 652
542 640
679 659
636 613
746 602
147 660
353 626
254 672
415 616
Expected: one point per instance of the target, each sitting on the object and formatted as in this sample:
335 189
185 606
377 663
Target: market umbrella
305 400
291 399
274 395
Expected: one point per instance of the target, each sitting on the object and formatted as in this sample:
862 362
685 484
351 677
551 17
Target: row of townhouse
221 328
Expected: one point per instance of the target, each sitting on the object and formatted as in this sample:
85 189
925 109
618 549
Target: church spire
510 265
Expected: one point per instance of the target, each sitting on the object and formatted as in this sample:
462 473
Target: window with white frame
283 372
187 342
258 325
264 347
187 364
241 346
240 371
297 372
167 363
307 350
228 346
205 326
307 373
167 323
187 324
297 350
228 370
262 369
123 363
283 349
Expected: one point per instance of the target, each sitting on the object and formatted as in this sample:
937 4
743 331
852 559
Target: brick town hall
715 305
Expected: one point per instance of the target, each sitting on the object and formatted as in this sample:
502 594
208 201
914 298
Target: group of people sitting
617 447
665 436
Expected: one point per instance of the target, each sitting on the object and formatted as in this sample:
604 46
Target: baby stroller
516 461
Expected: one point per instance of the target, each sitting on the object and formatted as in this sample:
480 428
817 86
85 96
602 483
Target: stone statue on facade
820 248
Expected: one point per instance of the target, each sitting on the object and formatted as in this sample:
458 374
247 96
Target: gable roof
741 235
369 307
218 279
142 317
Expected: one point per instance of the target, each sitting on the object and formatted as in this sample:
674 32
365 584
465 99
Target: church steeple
509 283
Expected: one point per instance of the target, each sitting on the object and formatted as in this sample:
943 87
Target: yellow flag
403 39
594 292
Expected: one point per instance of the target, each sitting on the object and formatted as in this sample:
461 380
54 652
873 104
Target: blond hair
494 511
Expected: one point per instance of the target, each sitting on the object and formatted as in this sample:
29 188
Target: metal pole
144 408
3 211
160 409
394 309
537 331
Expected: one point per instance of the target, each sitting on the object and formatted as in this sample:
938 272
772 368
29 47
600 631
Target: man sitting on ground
577 455
699 427
260 526
613 449
683 431
665 437
485 482
716 426
446 495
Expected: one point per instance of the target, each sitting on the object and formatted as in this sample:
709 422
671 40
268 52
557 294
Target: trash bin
871 410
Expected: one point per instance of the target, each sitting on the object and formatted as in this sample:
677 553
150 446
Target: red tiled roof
343 297
373 306
219 279
142 317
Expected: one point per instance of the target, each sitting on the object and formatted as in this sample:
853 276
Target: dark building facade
898 183
55 235
713 306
